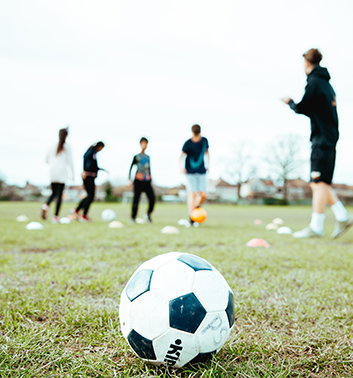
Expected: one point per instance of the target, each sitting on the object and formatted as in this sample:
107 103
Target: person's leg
322 162
54 191
202 188
91 190
136 200
192 196
82 203
60 190
192 191
343 220
337 207
151 198
320 200
202 198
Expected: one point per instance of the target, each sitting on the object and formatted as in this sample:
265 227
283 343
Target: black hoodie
319 104
90 161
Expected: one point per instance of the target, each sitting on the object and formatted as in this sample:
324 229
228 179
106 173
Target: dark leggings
57 191
139 187
90 189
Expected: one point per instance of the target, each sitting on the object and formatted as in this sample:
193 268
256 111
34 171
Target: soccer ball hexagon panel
175 309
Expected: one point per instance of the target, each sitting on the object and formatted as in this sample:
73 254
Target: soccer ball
108 215
176 308
199 215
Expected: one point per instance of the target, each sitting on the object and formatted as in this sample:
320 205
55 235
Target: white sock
317 222
339 211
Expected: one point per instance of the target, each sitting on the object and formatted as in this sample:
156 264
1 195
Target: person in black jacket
142 182
319 104
90 171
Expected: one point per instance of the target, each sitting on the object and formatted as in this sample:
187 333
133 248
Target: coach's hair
98 145
196 129
62 139
313 56
143 139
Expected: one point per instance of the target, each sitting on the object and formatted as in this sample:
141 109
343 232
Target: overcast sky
118 70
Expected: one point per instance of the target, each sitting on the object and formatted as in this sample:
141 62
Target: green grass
60 288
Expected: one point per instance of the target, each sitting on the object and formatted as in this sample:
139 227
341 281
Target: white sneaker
55 219
342 227
307 233
147 218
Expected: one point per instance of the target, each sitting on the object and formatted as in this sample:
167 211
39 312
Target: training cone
199 215
184 222
169 230
34 226
115 224
65 220
284 230
22 218
258 222
256 242
278 221
271 226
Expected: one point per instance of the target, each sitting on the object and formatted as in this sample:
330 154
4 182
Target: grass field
60 288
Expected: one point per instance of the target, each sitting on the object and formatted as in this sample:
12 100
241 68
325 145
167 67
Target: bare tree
283 156
240 167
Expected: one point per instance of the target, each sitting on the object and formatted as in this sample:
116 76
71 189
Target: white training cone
115 224
65 220
271 226
184 222
34 226
284 230
22 218
169 230
139 221
278 221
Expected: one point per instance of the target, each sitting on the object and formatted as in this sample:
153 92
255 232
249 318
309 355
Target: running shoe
74 215
55 219
132 221
147 218
342 227
307 232
85 219
45 209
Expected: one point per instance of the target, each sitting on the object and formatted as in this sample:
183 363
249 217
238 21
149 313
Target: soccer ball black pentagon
176 308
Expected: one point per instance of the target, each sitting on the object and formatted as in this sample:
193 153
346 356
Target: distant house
74 193
30 192
298 189
222 190
343 191
258 188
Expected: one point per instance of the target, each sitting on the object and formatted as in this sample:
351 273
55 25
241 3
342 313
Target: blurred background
119 70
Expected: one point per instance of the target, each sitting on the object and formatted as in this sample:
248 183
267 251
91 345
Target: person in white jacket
59 158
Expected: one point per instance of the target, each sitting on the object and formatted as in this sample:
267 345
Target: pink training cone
256 242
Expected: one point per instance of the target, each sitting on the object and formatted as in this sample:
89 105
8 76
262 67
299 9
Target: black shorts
322 160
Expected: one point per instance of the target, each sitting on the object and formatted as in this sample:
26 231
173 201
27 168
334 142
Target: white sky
118 70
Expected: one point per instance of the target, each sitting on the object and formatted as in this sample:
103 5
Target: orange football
198 215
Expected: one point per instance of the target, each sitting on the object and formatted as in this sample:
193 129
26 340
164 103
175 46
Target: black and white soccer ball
176 308
108 215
